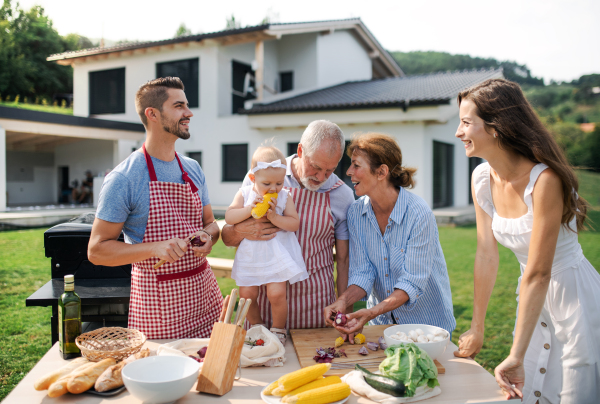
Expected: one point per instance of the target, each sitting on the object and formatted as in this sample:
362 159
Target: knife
224 309
240 307
244 312
232 299
159 263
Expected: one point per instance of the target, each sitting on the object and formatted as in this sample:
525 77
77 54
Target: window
292 148
107 91
287 81
196 156
343 167
239 83
473 162
235 162
443 174
188 71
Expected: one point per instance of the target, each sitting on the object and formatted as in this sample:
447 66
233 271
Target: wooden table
465 381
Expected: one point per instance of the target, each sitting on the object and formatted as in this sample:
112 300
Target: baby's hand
256 201
271 212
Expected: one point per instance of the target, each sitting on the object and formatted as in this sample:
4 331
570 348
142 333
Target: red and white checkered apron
180 299
307 299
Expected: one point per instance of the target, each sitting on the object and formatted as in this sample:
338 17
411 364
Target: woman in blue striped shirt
395 254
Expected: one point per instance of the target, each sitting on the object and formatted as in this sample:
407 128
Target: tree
183 31
232 23
73 42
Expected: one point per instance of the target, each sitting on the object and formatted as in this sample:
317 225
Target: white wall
298 53
89 154
341 58
42 190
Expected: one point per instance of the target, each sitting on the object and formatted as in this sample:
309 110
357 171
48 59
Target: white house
251 84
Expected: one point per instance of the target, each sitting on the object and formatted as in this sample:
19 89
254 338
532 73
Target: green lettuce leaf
410 365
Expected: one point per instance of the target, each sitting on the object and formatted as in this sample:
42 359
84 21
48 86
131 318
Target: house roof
428 89
380 57
62 119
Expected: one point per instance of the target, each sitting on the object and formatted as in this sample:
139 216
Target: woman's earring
495 135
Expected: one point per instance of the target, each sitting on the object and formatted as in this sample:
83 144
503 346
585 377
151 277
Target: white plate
277 399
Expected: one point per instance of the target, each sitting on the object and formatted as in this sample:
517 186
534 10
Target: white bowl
160 379
433 349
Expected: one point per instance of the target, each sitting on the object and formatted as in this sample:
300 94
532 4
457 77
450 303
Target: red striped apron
180 299
307 299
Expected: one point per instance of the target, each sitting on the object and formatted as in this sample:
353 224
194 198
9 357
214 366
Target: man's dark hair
153 94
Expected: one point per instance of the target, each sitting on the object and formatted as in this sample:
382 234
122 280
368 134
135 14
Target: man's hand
204 250
469 344
256 229
331 310
355 324
170 250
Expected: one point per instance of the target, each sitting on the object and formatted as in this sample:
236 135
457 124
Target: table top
91 291
465 381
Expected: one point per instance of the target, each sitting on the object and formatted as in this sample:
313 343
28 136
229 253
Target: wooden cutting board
306 341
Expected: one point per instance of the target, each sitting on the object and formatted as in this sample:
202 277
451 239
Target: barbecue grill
104 291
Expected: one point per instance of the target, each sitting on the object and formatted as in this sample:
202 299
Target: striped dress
408 256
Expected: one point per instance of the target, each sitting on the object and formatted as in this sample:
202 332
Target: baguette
111 378
83 380
45 381
59 387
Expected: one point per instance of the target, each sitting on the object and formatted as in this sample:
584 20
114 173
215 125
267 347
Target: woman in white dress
526 199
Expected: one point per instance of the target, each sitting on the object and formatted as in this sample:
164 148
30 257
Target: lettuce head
410 365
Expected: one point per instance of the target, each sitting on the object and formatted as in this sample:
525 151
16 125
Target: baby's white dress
265 261
562 362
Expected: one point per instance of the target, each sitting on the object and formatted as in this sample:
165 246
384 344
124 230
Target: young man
159 199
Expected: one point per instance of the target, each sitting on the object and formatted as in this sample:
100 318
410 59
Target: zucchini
382 383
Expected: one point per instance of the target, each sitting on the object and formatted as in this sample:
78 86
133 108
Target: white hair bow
261 165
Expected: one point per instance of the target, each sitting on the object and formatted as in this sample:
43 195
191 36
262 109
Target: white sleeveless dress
265 261
562 363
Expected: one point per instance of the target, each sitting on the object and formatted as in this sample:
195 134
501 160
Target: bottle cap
69 278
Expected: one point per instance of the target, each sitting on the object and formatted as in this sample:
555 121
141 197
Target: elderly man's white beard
306 182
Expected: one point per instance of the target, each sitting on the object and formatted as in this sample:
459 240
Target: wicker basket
110 342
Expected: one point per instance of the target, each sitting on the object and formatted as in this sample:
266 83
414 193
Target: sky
557 40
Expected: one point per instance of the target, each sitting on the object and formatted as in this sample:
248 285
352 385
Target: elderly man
322 200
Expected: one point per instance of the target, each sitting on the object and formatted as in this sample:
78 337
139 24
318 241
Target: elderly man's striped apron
307 299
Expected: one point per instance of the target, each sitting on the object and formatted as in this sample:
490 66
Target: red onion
202 352
340 319
363 351
382 343
372 346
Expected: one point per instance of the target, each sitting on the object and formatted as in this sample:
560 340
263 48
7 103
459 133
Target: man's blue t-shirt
125 194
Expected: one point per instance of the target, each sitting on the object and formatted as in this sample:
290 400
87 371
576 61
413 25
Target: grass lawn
25 332
37 107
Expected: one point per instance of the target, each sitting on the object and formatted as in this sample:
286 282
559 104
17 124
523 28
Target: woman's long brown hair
503 107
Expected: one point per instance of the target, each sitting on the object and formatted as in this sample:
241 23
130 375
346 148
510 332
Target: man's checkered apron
307 299
180 299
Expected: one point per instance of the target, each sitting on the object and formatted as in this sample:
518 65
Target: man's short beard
173 128
306 182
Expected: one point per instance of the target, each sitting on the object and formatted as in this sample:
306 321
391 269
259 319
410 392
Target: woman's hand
204 250
510 376
469 344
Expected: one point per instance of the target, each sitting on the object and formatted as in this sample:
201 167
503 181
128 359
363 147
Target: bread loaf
45 381
111 378
59 387
83 380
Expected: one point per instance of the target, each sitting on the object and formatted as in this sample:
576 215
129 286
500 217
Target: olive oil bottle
69 320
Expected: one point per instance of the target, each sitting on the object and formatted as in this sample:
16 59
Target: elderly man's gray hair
325 133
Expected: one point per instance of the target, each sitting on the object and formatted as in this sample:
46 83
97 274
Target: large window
287 81
235 162
188 71
241 85
107 91
196 156
473 163
443 174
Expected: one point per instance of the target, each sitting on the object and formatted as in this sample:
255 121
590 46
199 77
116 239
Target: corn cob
359 339
269 390
293 380
281 392
261 208
326 381
339 341
322 395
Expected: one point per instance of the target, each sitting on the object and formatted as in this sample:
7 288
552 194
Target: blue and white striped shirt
407 257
